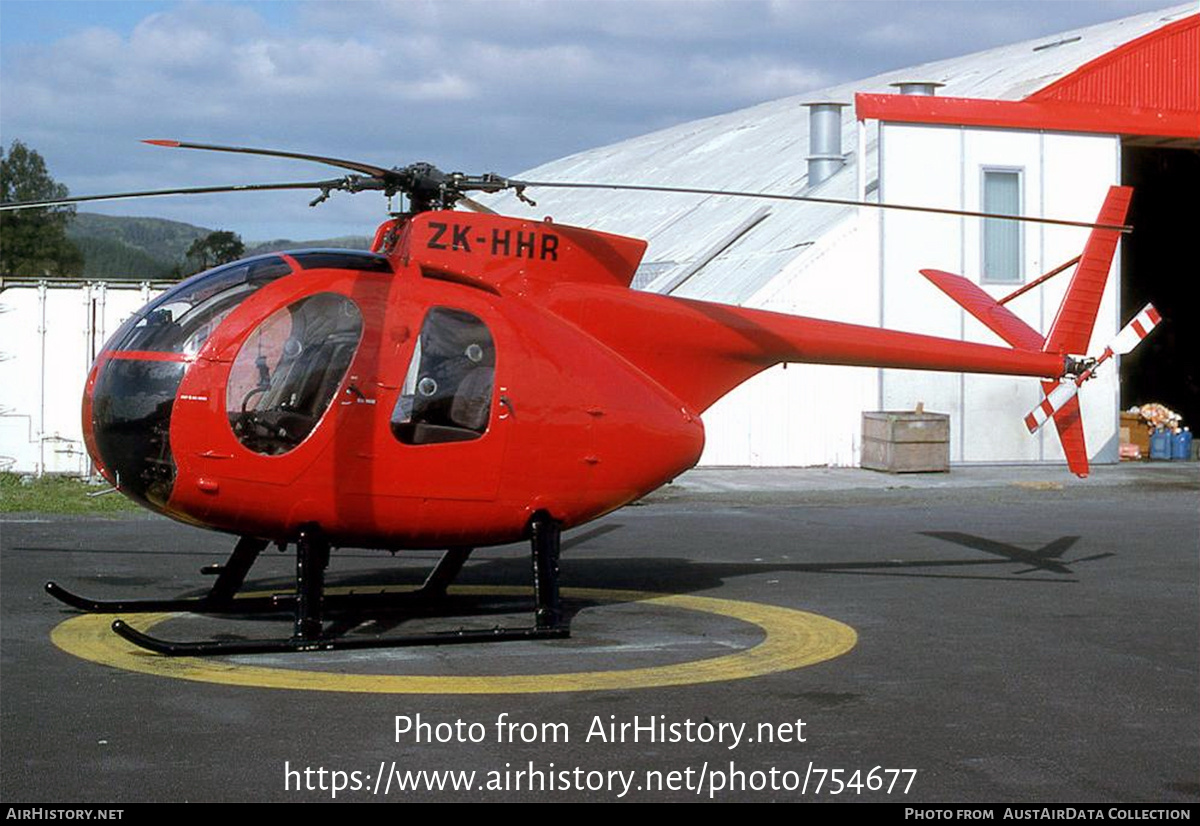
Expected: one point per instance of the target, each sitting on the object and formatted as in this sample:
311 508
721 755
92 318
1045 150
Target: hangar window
1001 238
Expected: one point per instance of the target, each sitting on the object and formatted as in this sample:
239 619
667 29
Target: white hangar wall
49 334
1061 176
866 271
806 414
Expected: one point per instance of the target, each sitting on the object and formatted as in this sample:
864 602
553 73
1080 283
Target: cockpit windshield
181 319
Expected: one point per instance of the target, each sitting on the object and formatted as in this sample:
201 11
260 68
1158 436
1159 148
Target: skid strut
545 538
309 601
312 558
218 600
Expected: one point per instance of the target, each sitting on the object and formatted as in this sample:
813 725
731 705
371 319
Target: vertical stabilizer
1072 328
1071 332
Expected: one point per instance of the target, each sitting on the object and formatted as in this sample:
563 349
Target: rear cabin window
447 391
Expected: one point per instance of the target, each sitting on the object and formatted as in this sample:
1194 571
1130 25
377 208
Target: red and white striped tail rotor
1131 335
1051 403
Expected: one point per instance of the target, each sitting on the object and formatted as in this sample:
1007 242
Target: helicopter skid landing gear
218 600
310 602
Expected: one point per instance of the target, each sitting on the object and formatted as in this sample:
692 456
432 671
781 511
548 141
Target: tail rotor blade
1061 402
1134 332
1054 401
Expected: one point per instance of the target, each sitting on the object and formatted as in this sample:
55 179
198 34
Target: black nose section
131 420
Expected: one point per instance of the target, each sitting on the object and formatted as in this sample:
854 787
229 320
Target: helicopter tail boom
700 351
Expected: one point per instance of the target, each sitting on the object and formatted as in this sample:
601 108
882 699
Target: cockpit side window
288 371
181 319
447 392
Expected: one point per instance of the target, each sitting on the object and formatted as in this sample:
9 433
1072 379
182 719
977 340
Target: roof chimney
926 88
824 140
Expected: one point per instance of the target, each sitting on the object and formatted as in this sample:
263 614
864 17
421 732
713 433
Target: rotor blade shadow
1046 558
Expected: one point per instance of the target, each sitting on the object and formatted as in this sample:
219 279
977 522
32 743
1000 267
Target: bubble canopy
143 365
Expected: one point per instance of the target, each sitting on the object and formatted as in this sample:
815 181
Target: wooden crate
1138 432
906 441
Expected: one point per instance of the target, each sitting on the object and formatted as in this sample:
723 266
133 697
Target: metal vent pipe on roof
925 88
824 140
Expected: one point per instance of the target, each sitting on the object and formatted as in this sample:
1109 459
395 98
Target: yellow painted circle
792 639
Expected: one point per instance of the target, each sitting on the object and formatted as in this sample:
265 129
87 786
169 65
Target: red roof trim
1054 115
1148 86
1160 70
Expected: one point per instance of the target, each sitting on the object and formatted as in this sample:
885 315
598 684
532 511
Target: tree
34 241
216 248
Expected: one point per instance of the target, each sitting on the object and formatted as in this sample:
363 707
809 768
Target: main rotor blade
336 183
816 200
354 166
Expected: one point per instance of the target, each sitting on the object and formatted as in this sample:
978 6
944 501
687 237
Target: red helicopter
474 380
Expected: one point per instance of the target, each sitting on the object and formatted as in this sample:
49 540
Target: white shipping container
50 333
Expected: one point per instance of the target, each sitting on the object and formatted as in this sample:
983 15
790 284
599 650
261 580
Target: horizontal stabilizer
998 318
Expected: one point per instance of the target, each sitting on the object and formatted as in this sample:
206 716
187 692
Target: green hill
346 242
157 237
117 247
108 259
121 247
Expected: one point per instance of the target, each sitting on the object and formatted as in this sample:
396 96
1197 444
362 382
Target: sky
470 85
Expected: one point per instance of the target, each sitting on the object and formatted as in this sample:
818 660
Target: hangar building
1039 128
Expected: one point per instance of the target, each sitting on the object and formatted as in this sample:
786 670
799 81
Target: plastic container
1160 444
1181 445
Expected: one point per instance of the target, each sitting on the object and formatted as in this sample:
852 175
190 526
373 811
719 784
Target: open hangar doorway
1160 263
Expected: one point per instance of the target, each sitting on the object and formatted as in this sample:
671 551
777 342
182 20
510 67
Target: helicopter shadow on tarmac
1046 564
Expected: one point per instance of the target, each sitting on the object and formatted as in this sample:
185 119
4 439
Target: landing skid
285 645
219 599
309 601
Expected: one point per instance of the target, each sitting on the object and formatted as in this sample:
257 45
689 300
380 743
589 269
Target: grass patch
58 494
